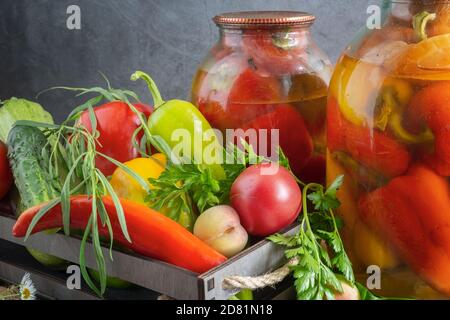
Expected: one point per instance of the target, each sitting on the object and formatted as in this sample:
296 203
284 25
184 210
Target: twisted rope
259 282
253 283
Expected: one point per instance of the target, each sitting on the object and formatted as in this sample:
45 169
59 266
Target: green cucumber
30 169
111 282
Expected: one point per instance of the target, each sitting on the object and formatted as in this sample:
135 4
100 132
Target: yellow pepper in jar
371 249
394 98
358 80
363 246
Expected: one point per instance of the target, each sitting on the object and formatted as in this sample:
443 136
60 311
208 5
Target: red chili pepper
432 106
295 140
116 123
413 213
369 147
152 234
6 177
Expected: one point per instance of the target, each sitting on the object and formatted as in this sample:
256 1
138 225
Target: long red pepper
152 234
413 213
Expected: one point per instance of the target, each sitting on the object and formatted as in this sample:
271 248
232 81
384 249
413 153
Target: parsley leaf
323 262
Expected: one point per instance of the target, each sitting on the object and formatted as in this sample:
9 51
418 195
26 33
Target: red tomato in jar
212 89
294 138
266 200
272 56
233 93
6 177
252 87
252 95
216 114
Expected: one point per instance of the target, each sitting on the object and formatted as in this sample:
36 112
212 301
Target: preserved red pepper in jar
389 134
266 72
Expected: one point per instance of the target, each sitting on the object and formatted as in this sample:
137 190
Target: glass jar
266 72
388 132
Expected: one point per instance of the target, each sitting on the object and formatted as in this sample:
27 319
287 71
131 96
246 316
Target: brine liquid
369 97
229 105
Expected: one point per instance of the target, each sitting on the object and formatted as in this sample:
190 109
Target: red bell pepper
295 140
6 177
412 213
152 234
116 123
371 148
432 106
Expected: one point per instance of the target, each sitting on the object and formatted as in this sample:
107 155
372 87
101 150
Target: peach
350 292
221 229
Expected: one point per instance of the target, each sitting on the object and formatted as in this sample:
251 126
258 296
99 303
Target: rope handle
259 282
253 283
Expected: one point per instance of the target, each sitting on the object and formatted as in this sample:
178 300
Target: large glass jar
266 72
389 133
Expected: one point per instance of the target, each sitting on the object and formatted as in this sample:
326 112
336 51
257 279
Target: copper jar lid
264 19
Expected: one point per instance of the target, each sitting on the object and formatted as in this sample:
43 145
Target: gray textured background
167 38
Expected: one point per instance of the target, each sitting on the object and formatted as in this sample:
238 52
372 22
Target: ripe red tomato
6 178
266 203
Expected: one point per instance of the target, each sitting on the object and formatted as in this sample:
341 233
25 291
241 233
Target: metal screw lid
264 19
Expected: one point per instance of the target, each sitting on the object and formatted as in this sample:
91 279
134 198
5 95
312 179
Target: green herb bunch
73 154
322 260
186 187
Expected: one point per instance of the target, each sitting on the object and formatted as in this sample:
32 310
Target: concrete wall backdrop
167 38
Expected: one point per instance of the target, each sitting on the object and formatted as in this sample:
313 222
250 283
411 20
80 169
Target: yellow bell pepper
128 188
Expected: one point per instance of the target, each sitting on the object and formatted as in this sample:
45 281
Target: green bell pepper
169 117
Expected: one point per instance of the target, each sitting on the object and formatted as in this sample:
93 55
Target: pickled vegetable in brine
294 104
388 132
265 76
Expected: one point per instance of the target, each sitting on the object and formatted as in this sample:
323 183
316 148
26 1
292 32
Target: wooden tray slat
153 274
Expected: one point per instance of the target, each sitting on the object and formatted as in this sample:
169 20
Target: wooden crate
150 274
